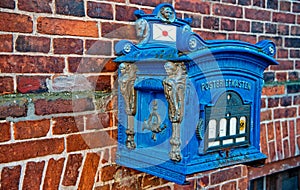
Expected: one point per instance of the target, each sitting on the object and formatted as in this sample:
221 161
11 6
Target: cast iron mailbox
187 105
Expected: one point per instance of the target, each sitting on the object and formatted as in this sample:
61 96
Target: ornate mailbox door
187 105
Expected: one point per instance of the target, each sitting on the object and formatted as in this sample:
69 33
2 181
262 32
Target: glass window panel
212 125
243 125
223 127
227 141
240 139
215 143
233 126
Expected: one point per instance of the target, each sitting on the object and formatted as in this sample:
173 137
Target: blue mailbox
187 105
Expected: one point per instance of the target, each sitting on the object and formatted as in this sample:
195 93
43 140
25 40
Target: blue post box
187 105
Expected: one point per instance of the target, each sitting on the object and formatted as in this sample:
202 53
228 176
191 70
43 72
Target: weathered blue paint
213 68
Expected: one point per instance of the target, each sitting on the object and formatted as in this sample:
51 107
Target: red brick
31 129
282 53
279 150
70 7
67 125
285 6
6 85
68 46
72 169
272 151
113 154
91 140
227 24
272 4
243 26
30 149
13 109
226 175
149 181
98 47
7 4
56 26
118 30
196 20
91 65
292 137
11 22
243 183
103 187
292 42
30 84
244 2
266 115
295 30
148 3
100 10
10 177
229 186
296 8
40 6
99 121
228 10
281 76
211 22
108 172
257 27
243 37
294 53
229 1
255 14
286 149
33 44
278 40
284 18
273 90
212 35
273 102
259 3
125 13
283 29
53 174
285 113
296 100
263 103
47 107
89 171
293 76
33 175
100 83
263 139
270 28
193 6
4 132
298 127
284 128
271 134
286 101
31 64
284 65
6 43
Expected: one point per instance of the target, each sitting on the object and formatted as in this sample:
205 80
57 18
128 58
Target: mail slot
187 105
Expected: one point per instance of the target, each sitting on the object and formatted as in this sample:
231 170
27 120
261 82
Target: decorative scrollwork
126 83
174 89
153 123
142 30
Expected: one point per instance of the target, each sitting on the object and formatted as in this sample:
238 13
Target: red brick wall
58 122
